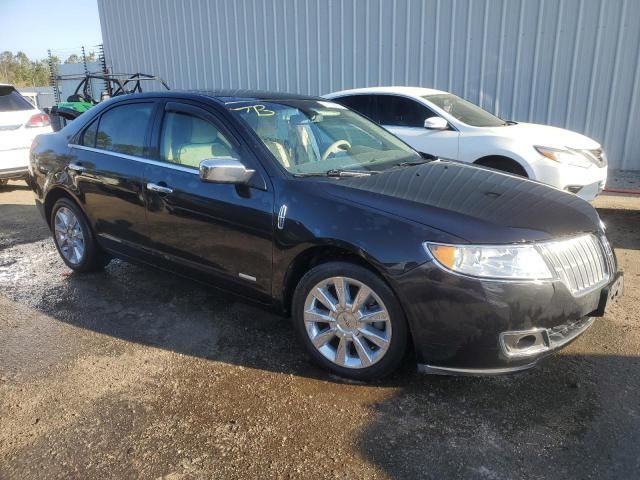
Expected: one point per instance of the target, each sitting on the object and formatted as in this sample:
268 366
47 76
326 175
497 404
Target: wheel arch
319 254
53 196
492 159
314 256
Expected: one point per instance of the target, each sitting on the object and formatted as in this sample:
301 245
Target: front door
405 118
222 230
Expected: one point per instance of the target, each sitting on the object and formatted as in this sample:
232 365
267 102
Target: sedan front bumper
463 325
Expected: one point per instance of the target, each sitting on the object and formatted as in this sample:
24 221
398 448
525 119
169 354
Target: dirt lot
133 373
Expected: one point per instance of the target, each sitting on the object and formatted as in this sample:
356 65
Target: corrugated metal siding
570 63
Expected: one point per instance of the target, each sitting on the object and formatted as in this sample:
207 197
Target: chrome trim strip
282 216
136 159
247 277
435 370
110 237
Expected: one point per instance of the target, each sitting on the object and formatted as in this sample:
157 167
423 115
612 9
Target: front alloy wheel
349 320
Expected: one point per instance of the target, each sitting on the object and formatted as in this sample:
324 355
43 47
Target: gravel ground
134 373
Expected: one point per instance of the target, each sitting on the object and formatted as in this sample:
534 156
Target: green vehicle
82 98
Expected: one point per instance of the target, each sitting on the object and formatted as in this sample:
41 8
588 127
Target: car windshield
464 111
11 101
313 136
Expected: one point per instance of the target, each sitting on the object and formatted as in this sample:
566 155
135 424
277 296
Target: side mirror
225 170
436 123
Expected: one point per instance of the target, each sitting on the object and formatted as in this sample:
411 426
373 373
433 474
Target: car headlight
566 156
513 262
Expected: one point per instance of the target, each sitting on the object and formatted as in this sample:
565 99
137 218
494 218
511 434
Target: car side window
187 140
363 104
402 112
88 137
122 129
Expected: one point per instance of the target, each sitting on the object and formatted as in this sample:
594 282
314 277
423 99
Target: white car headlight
565 156
513 262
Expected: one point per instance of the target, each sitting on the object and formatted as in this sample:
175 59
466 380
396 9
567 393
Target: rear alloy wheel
350 321
69 236
74 239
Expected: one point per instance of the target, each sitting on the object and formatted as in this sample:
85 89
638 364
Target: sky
34 26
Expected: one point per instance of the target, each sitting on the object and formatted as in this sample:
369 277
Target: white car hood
545 136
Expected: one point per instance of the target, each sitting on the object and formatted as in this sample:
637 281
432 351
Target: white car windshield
465 111
313 136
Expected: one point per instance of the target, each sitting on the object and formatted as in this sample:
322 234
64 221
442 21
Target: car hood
546 136
475 204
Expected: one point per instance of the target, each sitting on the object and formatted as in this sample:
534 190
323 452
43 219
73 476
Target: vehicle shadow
21 224
622 227
574 416
14 186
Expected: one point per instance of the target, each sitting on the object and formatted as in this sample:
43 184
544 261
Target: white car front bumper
587 183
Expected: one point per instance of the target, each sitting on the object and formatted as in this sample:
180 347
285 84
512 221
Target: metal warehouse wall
570 63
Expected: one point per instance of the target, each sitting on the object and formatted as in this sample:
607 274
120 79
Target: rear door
224 231
107 163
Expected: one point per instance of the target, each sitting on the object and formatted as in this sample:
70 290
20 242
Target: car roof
398 90
239 95
220 96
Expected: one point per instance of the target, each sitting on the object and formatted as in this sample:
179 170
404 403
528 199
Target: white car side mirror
436 123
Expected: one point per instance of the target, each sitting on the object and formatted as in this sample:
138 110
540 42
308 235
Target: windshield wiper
413 163
338 172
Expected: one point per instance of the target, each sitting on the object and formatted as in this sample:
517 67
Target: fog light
524 343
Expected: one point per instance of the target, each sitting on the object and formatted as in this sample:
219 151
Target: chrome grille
582 263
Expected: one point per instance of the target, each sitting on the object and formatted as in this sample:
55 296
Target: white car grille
582 263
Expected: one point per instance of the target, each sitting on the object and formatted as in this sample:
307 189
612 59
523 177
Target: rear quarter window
12 101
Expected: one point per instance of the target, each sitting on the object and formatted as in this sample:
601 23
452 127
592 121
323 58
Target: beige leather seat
267 130
197 140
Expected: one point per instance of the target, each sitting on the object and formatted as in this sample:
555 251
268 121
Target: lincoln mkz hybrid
304 205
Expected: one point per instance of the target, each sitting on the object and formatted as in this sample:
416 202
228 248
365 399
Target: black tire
94 258
398 343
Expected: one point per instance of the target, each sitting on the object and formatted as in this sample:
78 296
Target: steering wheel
335 147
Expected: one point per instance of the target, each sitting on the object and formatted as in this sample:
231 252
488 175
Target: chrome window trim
148 161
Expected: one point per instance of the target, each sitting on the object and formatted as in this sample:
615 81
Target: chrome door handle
159 188
76 167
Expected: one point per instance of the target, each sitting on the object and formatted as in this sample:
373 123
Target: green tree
73 58
19 70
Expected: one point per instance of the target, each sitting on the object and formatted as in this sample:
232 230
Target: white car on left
20 123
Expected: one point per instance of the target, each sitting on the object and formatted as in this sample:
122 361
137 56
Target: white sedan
20 123
444 125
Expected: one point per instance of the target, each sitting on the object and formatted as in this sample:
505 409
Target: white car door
405 118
